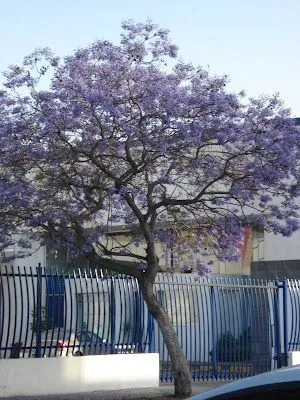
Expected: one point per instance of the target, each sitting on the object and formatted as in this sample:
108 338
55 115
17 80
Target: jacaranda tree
120 134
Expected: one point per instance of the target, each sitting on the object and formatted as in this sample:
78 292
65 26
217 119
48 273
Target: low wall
61 375
293 358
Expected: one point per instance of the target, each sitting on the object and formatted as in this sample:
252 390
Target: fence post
38 353
112 314
280 331
213 331
285 322
150 327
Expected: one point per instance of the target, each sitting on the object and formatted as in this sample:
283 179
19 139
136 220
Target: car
92 344
59 342
54 343
283 384
69 346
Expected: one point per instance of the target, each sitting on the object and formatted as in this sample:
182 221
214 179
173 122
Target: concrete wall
277 247
293 358
37 254
182 256
280 269
63 375
185 255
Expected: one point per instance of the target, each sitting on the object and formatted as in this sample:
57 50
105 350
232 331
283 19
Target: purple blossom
187 268
204 268
119 140
142 267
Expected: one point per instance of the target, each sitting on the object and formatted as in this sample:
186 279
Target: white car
56 343
283 384
69 346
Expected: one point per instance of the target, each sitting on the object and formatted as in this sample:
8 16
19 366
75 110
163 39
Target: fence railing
228 328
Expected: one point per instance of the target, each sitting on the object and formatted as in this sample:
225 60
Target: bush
230 348
45 321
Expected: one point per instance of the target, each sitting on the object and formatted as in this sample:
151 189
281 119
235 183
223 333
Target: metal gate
228 328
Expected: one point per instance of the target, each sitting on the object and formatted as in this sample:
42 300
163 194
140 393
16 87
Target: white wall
61 375
38 255
277 247
293 358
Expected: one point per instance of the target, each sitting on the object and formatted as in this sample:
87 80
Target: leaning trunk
180 368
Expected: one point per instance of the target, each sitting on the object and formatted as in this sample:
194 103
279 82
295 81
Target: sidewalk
163 392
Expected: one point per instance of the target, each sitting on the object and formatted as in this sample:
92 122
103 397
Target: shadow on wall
289 269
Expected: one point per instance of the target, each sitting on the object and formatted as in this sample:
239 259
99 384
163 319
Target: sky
255 42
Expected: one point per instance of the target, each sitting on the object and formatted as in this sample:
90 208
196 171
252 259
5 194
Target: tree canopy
113 135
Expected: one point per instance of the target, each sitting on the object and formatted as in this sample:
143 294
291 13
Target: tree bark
180 368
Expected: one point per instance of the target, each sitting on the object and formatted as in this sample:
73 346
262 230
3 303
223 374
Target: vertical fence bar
239 327
9 311
69 310
175 317
150 331
234 358
51 309
193 333
15 348
112 314
62 303
2 314
38 352
81 311
247 302
134 338
21 311
257 312
206 305
143 329
291 285
46 322
294 338
277 327
76 299
220 331
296 294
99 343
92 344
56 311
128 314
28 311
285 322
213 331
86 324
172 311
124 295
103 335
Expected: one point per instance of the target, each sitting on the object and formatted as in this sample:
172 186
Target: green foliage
230 348
45 321
16 349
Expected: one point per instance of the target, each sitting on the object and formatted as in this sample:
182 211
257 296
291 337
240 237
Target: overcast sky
255 42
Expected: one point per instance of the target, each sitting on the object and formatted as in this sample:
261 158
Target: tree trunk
180 368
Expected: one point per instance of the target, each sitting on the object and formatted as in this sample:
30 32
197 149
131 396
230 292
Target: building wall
277 247
37 254
176 261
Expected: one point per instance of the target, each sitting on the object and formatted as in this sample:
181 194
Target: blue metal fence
228 327
291 304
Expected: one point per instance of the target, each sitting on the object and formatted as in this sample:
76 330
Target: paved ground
163 392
